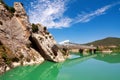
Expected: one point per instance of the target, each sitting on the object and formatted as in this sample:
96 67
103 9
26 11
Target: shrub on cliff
4 53
11 9
34 28
2 1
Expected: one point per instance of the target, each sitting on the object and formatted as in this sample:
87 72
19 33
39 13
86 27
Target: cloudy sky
79 21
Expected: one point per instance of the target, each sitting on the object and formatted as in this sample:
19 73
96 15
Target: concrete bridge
74 47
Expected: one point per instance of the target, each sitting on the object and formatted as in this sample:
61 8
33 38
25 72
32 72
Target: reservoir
92 67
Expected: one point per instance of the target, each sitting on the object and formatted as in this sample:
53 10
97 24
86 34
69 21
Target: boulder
46 45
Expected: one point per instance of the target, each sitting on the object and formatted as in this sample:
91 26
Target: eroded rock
22 44
14 35
47 45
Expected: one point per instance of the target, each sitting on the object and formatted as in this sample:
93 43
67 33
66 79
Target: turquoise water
93 67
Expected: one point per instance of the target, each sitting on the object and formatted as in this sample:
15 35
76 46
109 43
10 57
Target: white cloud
49 13
85 17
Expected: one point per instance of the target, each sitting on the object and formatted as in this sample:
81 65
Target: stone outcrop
19 44
14 34
46 45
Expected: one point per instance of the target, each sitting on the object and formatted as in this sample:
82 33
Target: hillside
110 41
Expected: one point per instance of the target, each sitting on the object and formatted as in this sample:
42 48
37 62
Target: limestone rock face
22 43
47 45
14 34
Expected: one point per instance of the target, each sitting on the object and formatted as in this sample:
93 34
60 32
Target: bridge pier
94 51
81 50
91 51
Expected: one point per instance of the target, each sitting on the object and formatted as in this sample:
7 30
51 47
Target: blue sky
79 21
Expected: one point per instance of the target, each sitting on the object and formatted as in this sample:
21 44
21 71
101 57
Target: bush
45 28
6 59
5 54
34 28
11 9
2 1
15 59
6 6
117 49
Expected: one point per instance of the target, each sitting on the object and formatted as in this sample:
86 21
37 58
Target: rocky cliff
46 45
22 43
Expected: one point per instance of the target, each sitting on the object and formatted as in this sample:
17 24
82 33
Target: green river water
93 67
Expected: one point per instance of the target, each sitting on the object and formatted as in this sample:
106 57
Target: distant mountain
110 41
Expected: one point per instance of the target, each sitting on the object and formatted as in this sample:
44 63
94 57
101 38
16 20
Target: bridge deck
75 46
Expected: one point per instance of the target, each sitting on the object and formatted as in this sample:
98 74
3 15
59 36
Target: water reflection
50 71
109 58
78 60
46 71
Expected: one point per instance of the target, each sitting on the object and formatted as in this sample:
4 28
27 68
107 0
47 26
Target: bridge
74 47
